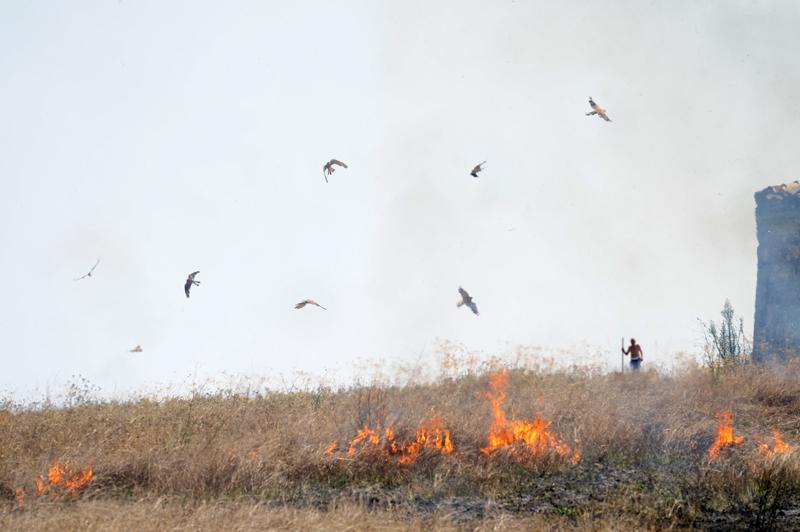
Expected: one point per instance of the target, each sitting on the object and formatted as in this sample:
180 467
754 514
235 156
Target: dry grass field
478 448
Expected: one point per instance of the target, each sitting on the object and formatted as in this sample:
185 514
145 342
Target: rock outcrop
776 333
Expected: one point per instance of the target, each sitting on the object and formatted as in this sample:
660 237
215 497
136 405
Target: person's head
633 341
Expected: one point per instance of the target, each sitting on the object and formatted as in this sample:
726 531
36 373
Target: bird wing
473 307
340 163
477 168
464 294
325 173
317 304
191 275
301 304
90 272
187 287
604 115
594 105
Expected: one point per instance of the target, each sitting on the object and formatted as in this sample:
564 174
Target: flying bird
189 282
466 299
137 349
90 271
328 169
478 168
597 110
305 302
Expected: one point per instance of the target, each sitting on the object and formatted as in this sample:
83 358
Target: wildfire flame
62 476
365 438
520 436
725 436
55 473
429 436
779 447
79 480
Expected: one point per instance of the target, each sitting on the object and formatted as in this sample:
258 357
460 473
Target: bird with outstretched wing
305 302
478 168
466 299
90 272
190 281
328 169
137 349
597 110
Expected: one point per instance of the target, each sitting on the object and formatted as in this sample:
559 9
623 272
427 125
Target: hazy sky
164 137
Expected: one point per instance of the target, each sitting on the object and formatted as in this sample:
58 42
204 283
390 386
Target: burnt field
473 449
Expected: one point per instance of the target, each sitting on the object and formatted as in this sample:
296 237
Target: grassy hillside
480 450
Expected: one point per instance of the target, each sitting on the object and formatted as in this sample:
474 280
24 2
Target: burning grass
429 437
519 437
61 480
558 447
779 446
725 436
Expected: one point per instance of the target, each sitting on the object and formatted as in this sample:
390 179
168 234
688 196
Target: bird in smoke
90 272
478 168
190 281
597 110
137 349
466 299
305 302
328 169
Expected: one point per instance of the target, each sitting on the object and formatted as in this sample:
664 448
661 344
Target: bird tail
460 304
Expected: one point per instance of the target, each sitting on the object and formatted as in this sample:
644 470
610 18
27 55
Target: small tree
726 345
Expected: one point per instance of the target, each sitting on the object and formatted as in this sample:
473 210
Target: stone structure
776 333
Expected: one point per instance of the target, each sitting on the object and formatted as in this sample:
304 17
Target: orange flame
725 436
779 447
365 438
429 436
40 485
62 476
79 479
534 436
54 474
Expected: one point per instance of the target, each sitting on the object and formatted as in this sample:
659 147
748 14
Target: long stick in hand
622 356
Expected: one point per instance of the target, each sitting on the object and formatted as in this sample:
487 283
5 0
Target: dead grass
160 515
257 461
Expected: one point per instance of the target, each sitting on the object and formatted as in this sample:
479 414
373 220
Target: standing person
635 351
